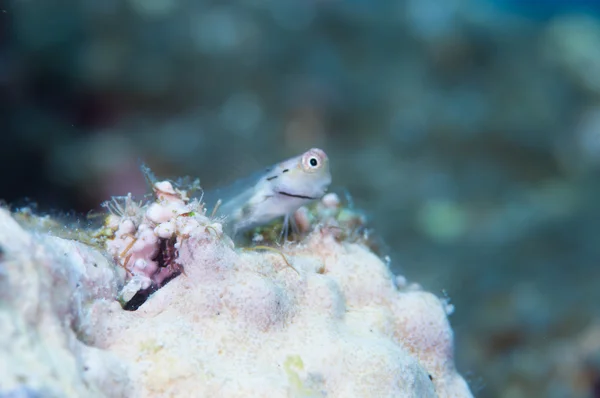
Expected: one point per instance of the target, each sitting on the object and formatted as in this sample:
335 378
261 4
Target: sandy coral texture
325 318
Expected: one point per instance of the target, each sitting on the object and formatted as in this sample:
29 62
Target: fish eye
313 160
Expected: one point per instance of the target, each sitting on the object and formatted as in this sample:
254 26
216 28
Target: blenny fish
278 191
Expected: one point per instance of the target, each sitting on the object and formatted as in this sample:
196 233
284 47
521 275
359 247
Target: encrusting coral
319 317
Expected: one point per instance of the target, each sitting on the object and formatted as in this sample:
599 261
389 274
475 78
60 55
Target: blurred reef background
469 132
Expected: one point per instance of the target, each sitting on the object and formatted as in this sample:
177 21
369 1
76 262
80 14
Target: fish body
279 191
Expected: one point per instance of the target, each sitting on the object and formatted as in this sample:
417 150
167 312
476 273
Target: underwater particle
442 220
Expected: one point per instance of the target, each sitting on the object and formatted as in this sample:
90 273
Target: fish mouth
293 195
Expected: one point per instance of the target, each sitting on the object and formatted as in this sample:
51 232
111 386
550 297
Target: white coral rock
228 327
236 324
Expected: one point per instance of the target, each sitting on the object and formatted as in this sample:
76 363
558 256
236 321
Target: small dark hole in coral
95 265
166 258
85 368
140 297
431 377
167 253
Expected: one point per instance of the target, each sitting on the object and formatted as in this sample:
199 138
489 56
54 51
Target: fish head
306 176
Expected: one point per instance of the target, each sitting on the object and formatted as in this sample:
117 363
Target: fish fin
284 229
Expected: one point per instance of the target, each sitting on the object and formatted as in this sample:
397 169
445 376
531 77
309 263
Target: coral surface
320 317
